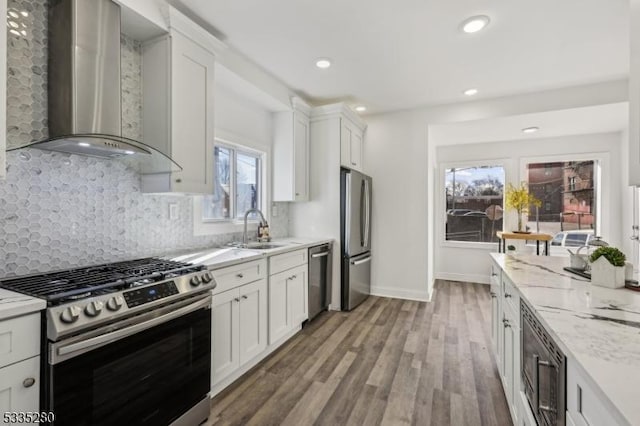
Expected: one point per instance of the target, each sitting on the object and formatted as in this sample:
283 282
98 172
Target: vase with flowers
520 199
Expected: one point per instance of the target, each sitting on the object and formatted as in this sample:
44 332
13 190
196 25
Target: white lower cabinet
510 356
239 328
288 306
253 320
19 386
584 406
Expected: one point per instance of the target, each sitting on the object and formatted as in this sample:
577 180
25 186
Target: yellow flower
519 198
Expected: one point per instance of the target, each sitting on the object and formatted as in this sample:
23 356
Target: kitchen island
597 328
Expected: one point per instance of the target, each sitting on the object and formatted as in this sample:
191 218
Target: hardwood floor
389 361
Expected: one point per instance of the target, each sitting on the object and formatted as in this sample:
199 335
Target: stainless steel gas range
125 343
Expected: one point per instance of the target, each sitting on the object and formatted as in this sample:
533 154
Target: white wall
396 157
241 119
401 158
514 155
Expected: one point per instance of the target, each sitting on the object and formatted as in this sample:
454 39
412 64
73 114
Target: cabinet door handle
292 277
493 274
297 194
237 299
240 275
492 294
28 382
507 295
506 323
354 164
178 180
245 297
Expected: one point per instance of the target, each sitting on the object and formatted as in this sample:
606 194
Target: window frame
602 177
234 150
211 226
442 203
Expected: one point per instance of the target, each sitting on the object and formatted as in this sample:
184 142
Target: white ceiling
575 121
402 54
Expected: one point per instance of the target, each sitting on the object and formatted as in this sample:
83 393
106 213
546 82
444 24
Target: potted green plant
608 267
520 200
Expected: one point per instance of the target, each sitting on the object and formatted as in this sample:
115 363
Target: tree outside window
237 184
470 194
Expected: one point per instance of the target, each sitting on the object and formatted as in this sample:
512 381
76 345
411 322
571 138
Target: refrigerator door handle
361 261
368 213
363 191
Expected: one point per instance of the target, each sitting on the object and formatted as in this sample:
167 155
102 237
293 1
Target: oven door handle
538 365
68 351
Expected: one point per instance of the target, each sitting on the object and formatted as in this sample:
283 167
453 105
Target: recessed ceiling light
361 108
25 13
475 23
129 152
532 129
84 144
323 63
471 92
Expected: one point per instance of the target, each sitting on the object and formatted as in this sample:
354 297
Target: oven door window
149 378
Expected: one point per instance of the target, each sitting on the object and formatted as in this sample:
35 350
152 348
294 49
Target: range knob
115 303
195 281
207 277
94 308
70 314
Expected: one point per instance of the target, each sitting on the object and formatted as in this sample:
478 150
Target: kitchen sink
263 246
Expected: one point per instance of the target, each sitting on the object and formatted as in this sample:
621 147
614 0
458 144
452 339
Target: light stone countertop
597 328
220 257
14 304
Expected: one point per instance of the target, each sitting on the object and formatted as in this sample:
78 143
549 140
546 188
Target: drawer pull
28 382
245 297
237 299
493 295
240 275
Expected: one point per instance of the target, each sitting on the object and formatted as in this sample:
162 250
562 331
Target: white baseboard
469 278
398 293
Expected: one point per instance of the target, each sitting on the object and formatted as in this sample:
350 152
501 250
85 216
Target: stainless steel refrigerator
355 231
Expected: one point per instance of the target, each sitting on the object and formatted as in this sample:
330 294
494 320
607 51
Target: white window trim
603 176
441 203
225 226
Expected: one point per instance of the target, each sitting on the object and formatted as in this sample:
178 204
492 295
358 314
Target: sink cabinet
239 328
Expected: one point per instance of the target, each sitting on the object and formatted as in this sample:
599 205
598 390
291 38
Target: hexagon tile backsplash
58 211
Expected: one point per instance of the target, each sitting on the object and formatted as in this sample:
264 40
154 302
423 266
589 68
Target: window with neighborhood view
474 205
237 184
568 191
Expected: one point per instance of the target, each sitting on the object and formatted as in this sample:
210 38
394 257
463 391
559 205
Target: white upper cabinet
291 153
634 96
351 145
3 87
178 87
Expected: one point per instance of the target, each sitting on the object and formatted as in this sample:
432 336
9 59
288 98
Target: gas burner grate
83 282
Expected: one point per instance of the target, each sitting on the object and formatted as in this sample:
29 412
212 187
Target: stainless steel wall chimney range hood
84 87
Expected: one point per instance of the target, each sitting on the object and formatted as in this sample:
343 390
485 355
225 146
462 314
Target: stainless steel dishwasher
319 279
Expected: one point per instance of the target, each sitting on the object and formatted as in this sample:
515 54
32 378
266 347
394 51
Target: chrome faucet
263 222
